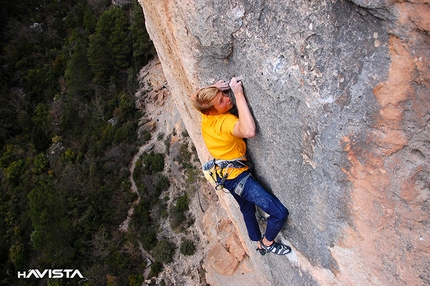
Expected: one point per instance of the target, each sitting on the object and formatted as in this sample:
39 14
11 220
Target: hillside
67 135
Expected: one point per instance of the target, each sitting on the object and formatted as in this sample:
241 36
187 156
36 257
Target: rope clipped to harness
213 168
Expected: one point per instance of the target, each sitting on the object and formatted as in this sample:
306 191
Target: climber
224 135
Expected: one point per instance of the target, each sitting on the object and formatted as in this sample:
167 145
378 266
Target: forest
67 134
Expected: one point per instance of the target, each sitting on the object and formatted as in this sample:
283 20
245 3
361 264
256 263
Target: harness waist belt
235 163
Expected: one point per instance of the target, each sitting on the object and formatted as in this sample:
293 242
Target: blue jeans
255 195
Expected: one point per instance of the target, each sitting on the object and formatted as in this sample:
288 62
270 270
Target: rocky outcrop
340 94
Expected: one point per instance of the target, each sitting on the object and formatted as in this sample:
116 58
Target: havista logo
50 273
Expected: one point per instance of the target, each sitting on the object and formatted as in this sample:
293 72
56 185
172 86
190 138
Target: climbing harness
217 171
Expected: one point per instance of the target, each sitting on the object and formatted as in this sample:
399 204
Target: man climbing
224 135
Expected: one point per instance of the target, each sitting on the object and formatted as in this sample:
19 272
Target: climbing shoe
276 248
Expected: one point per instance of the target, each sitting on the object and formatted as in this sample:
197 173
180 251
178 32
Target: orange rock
222 261
235 247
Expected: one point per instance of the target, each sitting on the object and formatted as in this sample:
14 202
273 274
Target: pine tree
121 43
78 74
143 48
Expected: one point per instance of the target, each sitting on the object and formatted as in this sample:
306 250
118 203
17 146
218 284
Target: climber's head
211 101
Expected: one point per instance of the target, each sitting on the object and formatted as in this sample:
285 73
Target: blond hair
202 99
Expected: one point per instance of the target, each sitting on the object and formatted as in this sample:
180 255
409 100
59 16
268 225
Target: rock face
340 94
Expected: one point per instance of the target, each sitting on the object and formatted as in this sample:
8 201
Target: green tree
41 116
121 42
53 234
100 58
143 48
78 74
90 20
17 255
13 172
127 107
41 163
39 139
9 125
101 55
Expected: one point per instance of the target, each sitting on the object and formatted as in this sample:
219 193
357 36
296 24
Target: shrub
185 134
164 251
17 254
41 163
162 183
13 171
146 136
164 212
137 169
184 157
156 268
141 215
167 143
176 217
153 163
160 136
149 238
177 212
187 247
192 176
182 203
135 280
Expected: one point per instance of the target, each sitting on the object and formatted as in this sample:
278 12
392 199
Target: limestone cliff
340 93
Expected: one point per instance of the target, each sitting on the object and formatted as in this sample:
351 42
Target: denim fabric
255 195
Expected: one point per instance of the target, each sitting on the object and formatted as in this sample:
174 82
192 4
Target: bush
176 217
192 176
184 157
164 210
17 255
164 251
137 169
160 136
162 183
13 171
182 203
167 143
141 216
41 163
153 163
149 238
135 280
146 136
187 247
156 268
177 212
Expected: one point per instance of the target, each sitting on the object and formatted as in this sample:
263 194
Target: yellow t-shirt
217 132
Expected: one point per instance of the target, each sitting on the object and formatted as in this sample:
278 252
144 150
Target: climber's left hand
222 85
